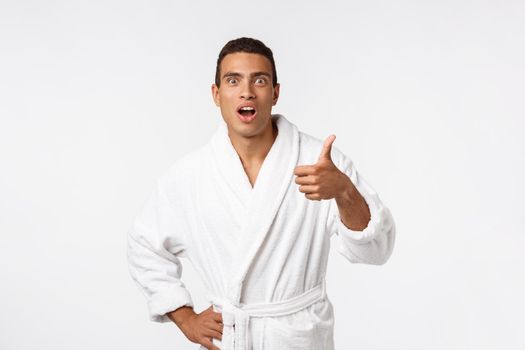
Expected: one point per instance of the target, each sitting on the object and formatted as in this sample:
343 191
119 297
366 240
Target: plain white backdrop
98 98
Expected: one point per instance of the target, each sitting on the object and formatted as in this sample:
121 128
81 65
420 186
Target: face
246 94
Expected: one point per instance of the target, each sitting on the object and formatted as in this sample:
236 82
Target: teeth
246 109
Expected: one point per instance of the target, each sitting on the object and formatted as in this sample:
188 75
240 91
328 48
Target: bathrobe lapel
260 203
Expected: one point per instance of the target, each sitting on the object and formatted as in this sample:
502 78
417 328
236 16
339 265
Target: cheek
268 101
228 98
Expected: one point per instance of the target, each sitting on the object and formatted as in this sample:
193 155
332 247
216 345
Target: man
254 211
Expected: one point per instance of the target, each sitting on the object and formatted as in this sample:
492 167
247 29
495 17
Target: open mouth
246 113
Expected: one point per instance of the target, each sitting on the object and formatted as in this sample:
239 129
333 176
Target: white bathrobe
262 252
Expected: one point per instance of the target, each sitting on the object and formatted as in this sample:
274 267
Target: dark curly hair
248 45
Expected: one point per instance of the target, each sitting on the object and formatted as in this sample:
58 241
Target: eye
231 80
260 80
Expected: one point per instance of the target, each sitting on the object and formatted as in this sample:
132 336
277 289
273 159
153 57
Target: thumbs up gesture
322 180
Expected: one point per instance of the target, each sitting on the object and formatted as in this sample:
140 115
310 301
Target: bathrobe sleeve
375 243
154 245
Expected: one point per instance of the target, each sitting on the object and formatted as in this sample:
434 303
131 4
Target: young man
254 211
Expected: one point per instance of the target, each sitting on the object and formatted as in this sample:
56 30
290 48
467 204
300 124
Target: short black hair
248 45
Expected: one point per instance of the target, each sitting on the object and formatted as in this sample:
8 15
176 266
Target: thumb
327 148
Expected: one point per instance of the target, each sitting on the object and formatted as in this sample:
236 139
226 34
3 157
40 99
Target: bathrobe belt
235 335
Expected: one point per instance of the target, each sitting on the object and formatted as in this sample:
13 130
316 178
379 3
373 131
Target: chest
251 171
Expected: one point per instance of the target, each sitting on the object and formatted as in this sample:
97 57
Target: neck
253 150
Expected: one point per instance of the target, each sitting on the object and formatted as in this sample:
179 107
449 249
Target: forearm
353 209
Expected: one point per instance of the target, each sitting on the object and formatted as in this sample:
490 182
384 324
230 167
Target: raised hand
322 180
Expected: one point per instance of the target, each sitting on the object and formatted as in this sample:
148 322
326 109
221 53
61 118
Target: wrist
348 195
181 315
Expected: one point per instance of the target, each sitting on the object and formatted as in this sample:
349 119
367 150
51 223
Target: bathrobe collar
261 202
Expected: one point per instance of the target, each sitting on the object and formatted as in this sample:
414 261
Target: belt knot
236 318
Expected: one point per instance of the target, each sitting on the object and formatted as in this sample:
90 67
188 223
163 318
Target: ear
276 93
215 95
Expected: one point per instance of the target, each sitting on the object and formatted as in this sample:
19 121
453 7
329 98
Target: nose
246 91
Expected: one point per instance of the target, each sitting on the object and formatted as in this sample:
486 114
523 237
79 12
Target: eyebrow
236 74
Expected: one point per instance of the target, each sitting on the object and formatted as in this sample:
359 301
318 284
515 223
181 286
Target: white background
98 98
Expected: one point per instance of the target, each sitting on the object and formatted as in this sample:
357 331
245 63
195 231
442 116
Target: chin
247 130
